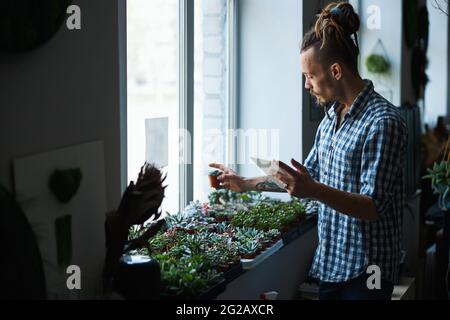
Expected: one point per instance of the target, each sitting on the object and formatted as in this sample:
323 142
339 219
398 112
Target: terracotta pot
213 182
221 219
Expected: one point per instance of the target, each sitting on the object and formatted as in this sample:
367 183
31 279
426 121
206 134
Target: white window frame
233 80
186 98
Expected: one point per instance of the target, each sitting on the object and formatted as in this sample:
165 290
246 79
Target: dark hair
333 32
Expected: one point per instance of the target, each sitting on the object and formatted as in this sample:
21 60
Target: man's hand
301 185
298 180
229 179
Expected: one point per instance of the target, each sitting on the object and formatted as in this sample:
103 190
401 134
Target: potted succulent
269 238
250 249
440 178
244 234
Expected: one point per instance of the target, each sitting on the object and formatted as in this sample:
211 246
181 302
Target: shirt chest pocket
324 153
347 163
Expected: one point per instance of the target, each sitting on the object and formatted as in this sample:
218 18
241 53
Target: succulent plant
274 233
245 234
439 175
249 248
224 196
193 209
184 277
267 216
223 227
174 220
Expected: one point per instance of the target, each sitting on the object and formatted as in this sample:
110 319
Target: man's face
318 80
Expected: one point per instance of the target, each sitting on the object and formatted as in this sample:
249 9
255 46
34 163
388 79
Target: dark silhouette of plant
140 203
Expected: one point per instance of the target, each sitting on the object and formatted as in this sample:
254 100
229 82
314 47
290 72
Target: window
212 105
179 81
152 109
436 90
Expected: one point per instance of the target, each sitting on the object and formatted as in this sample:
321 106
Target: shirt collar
359 102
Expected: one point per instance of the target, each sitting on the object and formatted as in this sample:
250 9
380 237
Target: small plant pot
249 256
222 269
221 219
271 242
213 182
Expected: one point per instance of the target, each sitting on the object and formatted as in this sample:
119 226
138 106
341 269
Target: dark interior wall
311 117
64 93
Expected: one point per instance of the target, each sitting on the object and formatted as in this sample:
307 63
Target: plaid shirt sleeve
312 160
382 161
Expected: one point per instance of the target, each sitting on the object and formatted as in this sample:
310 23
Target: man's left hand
299 182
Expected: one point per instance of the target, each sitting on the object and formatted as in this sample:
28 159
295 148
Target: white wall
390 34
64 93
270 80
436 91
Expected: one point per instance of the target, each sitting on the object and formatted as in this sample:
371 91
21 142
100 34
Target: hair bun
345 16
339 14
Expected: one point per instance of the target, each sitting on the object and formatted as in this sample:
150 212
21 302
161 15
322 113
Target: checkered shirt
365 156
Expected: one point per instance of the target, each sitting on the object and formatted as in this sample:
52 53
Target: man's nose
307 84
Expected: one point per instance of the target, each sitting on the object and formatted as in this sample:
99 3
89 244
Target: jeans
355 289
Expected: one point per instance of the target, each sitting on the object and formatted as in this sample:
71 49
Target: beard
319 102
324 104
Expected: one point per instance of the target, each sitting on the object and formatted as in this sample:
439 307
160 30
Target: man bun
337 20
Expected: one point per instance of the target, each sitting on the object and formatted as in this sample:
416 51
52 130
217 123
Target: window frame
185 72
233 81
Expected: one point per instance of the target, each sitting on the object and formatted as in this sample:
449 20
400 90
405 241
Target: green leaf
64 184
63 235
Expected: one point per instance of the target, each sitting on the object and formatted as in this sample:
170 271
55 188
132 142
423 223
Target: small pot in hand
213 182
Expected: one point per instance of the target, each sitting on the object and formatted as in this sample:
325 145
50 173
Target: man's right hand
229 179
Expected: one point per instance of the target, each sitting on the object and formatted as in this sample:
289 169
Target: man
354 170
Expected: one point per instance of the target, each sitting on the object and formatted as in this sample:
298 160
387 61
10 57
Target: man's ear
336 71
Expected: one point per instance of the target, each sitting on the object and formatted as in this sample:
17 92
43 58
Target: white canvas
87 208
